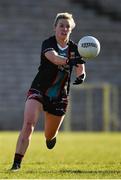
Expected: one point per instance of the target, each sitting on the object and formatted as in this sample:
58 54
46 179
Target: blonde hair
65 16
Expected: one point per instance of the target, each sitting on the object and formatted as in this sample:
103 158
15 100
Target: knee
28 129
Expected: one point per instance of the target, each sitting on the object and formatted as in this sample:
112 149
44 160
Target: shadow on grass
65 171
91 171
68 171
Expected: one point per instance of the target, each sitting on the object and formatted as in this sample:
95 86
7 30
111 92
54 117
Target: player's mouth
63 33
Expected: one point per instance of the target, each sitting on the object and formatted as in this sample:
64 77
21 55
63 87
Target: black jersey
54 80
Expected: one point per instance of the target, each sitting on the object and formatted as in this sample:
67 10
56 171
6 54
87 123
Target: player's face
63 29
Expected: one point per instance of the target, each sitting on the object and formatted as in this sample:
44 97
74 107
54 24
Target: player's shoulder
50 39
72 43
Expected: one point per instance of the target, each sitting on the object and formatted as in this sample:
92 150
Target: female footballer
50 88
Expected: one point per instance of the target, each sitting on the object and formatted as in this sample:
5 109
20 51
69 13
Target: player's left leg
52 125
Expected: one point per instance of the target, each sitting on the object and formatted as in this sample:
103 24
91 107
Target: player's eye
61 25
64 26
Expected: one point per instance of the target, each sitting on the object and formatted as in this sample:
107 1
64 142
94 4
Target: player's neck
62 42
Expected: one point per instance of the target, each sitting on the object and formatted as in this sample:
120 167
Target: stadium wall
23 26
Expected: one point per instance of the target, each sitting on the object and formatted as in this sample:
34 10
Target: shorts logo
59 109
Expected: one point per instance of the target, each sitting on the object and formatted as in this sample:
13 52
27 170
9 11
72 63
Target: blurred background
95 105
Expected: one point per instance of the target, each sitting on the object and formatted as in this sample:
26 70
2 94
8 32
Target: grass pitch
76 156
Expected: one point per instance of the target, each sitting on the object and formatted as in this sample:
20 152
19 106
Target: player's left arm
80 74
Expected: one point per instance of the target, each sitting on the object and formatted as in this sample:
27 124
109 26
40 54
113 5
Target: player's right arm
55 58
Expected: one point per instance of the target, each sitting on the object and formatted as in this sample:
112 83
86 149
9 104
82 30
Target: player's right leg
31 116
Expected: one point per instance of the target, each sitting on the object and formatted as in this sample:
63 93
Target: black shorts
56 106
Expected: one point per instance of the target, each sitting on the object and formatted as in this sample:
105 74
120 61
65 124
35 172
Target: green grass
76 156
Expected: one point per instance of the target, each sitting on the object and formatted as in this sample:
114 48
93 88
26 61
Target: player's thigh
32 111
52 124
